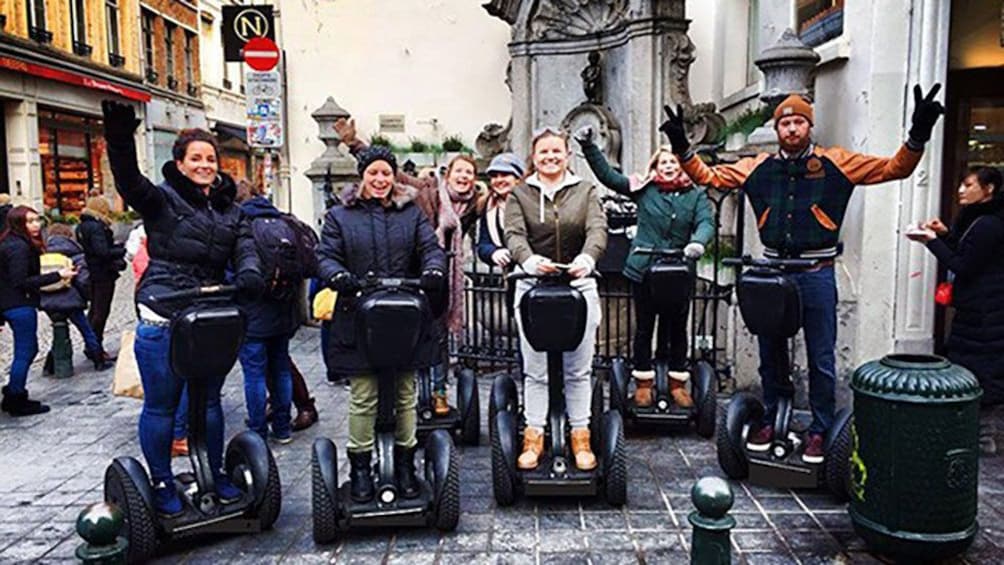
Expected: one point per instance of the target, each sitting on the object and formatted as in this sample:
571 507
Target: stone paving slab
53 465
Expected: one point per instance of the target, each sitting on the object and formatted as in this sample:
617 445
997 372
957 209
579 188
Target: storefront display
73 156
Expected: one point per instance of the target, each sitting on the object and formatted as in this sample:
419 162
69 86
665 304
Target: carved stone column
334 168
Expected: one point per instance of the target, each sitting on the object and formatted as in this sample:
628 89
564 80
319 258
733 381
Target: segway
553 315
771 305
670 283
464 419
390 317
205 341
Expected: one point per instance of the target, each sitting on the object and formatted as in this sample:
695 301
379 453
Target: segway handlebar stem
662 252
197 292
770 263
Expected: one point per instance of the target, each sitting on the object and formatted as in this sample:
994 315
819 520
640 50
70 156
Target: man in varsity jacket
799 196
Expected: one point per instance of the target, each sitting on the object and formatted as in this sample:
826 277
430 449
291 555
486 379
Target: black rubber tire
323 507
596 417
447 490
503 485
731 451
837 464
615 464
618 385
470 432
269 499
509 402
138 521
707 399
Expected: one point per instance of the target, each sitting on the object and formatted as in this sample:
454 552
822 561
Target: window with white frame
112 32
148 47
169 30
36 21
820 21
78 27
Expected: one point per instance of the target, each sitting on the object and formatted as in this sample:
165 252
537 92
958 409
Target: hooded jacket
362 236
192 237
20 273
267 316
104 257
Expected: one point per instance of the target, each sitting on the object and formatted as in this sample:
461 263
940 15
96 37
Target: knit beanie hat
367 156
794 105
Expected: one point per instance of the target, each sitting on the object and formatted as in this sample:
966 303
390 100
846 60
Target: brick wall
184 20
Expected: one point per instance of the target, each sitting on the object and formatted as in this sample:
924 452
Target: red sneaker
813 449
760 441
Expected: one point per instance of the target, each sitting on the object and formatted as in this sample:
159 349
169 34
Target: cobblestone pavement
53 465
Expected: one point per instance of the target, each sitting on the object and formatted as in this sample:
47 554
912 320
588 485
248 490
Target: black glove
675 130
344 282
926 111
251 284
433 280
119 119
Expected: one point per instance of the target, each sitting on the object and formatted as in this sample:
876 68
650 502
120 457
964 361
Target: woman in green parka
672 214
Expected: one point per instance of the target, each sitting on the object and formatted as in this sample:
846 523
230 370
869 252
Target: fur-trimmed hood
400 196
221 194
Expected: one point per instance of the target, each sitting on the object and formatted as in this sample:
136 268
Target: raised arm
869 169
137 191
721 176
605 174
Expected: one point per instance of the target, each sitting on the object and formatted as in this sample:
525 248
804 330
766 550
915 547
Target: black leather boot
361 476
404 471
5 404
21 405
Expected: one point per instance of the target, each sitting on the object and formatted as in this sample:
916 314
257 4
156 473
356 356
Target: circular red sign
261 53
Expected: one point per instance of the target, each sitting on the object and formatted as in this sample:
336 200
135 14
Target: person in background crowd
504 172
21 246
136 253
672 214
555 217
5 207
377 229
971 251
195 232
71 301
800 195
105 260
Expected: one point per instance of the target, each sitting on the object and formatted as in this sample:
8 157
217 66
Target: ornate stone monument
330 172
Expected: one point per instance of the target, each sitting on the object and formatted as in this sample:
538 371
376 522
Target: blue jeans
91 343
819 324
23 322
161 395
263 360
181 415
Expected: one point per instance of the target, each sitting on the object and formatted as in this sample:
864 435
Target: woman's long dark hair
17 224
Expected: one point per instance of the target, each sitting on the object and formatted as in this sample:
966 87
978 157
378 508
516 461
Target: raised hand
346 130
584 134
675 130
926 111
119 119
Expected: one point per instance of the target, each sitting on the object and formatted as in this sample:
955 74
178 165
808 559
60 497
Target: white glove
501 257
693 250
582 266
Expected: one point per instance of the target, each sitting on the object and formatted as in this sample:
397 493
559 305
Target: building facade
58 60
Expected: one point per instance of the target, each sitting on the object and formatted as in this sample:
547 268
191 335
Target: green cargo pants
363 411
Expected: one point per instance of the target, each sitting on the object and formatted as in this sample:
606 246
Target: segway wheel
837 464
503 397
442 469
469 406
139 526
503 469
614 459
324 506
248 452
744 408
707 400
618 385
596 417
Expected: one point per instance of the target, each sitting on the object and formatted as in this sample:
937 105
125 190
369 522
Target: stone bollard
711 541
62 348
99 524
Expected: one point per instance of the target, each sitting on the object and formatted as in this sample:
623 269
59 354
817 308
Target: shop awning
74 78
231 130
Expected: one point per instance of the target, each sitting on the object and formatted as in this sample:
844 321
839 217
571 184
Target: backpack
286 254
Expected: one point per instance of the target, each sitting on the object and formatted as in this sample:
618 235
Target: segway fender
256 453
326 453
618 384
706 389
467 387
613 431
437 457
139 478
742 409
505 427
503 395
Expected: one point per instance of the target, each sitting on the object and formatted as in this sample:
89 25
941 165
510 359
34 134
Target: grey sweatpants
578 364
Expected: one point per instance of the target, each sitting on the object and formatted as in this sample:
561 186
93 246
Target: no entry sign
261 54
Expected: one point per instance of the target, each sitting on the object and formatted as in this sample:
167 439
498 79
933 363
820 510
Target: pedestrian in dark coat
377 229
195 233
21 278
105 260
5 208
971 251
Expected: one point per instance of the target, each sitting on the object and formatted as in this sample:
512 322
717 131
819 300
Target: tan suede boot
533 446
439 404
584 458
643 381
678 389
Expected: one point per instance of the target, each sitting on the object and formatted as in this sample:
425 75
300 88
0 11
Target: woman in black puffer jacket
104 260
971 251
195 233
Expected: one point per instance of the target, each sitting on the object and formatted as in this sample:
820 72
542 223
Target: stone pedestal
335 168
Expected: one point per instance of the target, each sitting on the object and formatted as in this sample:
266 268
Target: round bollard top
712 496
99 524
924 379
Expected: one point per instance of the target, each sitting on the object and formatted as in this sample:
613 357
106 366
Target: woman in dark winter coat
71 301
377 229
672 214
971 251
105 260
20 279
195 233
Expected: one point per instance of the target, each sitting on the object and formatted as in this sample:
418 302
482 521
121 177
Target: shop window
72 151
78 28
36 21
820 20
169 28
148 51
115 57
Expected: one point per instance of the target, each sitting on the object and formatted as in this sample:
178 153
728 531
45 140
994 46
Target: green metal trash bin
914 465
